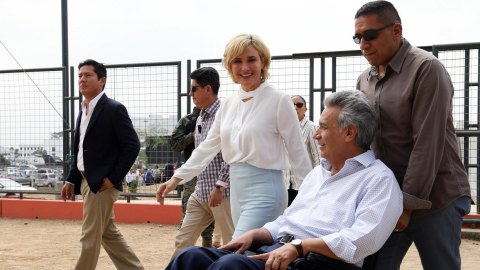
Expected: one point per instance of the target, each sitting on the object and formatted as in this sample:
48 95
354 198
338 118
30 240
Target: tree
152 137
40 152
4 161
57 135
15 154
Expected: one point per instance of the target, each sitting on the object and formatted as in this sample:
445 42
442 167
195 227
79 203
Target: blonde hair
236 46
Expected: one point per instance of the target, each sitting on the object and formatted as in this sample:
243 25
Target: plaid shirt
218 171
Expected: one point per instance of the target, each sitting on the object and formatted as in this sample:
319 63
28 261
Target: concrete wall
124 212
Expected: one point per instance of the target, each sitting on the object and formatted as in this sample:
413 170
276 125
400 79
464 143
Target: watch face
296 242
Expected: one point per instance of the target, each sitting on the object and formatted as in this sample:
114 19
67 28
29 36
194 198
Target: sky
142 31
126 31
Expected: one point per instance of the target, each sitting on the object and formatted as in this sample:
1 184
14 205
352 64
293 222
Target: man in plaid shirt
211 199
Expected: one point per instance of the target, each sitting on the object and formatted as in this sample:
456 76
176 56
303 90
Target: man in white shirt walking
130 177
346 208
105 147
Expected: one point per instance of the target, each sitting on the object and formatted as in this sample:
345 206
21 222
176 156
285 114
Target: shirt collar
364 159
212 109
304 121
92 103
397 61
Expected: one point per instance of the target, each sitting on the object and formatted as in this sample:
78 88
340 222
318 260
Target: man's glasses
298 104
369 35
199 129
194 88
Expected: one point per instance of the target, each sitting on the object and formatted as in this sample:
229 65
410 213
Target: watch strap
299 248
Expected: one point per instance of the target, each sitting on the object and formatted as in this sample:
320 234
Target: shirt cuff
70 183
342 248
273 229
221 183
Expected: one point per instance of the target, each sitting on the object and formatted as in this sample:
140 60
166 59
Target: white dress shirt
261 132
130 177
353 211
84 125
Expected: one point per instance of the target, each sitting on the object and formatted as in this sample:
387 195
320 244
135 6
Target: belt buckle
286 239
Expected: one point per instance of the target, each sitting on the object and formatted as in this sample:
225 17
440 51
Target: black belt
285 239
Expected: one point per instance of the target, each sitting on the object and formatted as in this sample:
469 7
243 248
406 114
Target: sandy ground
54 244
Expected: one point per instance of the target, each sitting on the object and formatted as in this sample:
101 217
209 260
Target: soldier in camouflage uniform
183 139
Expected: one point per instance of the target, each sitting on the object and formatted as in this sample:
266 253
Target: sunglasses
199 129
194 88
369 35
298 104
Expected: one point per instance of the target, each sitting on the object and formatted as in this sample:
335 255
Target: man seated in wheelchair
346 208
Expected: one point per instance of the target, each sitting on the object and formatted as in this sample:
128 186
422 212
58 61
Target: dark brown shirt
416 137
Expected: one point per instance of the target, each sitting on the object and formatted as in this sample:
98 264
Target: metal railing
174 194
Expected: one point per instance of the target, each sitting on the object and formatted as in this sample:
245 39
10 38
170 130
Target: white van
12 170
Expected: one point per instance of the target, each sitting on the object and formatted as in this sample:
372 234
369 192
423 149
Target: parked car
46 180
45 170
20 178
29 172
7 184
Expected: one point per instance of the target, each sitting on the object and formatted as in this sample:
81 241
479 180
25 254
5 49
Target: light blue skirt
257 196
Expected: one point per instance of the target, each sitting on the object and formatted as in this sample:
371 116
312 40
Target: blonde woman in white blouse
257 130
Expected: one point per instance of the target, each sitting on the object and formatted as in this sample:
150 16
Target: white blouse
261 132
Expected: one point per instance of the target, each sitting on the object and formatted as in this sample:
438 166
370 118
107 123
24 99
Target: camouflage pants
188 189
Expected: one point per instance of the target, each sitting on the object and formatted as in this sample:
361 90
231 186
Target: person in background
256 129
148 177
157 174
183 139
412 93
141 178
168 170
313 149
130 177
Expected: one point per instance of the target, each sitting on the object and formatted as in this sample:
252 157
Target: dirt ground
54 244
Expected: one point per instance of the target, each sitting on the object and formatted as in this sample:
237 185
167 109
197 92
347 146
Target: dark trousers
292 193
437 237
200 258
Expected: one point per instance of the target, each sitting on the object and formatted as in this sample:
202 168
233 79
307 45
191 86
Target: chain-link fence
462 63
150 93
31 124
31 129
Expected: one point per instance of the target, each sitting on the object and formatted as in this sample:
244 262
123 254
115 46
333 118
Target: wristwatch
297 243
220 188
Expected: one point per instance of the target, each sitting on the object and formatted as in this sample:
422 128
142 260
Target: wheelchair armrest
328 263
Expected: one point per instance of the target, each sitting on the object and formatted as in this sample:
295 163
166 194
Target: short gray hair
356 111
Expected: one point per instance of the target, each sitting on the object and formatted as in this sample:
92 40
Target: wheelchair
321 262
